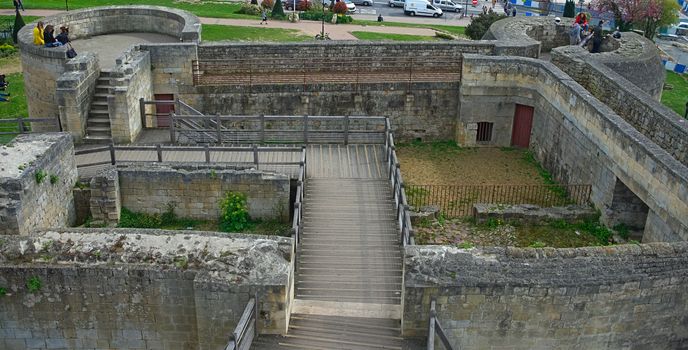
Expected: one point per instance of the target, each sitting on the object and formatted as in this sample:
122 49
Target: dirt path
311 28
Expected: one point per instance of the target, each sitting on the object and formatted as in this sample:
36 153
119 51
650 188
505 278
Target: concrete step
98 129
98 121
97 139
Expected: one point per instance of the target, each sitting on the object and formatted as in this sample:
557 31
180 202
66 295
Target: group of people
45 36
581 33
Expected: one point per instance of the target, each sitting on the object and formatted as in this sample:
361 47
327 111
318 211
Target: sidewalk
310 28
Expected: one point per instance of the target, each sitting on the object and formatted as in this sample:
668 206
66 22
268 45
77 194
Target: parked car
363 2
350 7
301 5
447 5
395 3
421 8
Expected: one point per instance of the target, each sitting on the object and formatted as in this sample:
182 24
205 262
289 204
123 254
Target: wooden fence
326 70
23 125
458 200
278 129
400 199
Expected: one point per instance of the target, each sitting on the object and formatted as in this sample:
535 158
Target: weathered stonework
195 191
595 298
526 213
139 289
105 199
37 173
129 81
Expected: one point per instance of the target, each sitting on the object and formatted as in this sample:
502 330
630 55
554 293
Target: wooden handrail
247 327
435 328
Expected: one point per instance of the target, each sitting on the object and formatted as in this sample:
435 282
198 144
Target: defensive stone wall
37 173
662 125
580 140
172 68
129 82
594 298
75 88
138 289
196 191
537 34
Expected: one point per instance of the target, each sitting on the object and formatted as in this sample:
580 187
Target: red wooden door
523 123
162 110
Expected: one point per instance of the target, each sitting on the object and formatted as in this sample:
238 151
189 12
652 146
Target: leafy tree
646 15
570 9
479 25
340 8
278 10
18 24
267 4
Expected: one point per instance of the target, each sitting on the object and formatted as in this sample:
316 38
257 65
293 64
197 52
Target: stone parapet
596 297
105 199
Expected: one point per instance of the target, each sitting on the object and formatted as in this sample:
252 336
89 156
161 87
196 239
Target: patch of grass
214 9
15 108
270 228
561 234
391 36
465 245
537 244
677 97
3 291
560 191
216 32
33 284
622 230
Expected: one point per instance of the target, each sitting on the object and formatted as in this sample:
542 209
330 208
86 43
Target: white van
447 5
421 8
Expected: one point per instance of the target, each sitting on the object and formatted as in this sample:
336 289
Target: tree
278 10
645 15
570 9
479 25
340 8
18 24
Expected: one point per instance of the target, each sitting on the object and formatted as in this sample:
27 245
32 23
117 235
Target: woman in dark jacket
50 40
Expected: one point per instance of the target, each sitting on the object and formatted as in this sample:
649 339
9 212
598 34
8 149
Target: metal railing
278 129
247 328
435 329
400 201
24 125
309 72
157 154
458 200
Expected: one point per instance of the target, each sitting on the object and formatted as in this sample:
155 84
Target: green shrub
479 25
570 9
278 10
128 218
3 291
7 50
445 36
234 212
249 9
344 19
317 16
33 284
18 24
40 176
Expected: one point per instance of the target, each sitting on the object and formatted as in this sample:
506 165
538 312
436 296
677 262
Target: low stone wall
139 289
526 213
595 298
195 191
37 173
580 140
631 101
75 89
536 34
130 81
105 201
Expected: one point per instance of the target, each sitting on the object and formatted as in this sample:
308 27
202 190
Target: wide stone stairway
349 263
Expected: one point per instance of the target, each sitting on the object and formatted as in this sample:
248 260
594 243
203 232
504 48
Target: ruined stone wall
37 173
594 298
580 140
654 120
130 81
196 191
138 289
75 89
105 203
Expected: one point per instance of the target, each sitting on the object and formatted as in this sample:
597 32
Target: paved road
396 14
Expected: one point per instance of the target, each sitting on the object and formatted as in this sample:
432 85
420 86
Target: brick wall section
75 89
26 204
196 191
139 289
579 139
130 81
105 200
654 120
595 298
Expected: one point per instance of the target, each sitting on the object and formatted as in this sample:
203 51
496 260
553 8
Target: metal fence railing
247 328
458 200
400 200
277 129
310 72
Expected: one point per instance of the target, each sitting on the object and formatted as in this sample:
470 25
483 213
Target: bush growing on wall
481 24
234 212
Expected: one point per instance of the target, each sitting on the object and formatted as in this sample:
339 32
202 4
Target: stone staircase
98 122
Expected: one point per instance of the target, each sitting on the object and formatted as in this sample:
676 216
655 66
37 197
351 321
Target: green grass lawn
388 36
677 97
216 32
15 108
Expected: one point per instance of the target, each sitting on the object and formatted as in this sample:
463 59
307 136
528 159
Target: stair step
97 129
379 323
98 120
331 296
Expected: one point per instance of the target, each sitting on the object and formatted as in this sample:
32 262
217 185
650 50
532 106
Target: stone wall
595 298
37 173
195 191
139 289
105 201
579 139
661 124
538 34
130 81
75 89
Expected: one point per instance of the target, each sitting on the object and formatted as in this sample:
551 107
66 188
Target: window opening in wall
484 132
